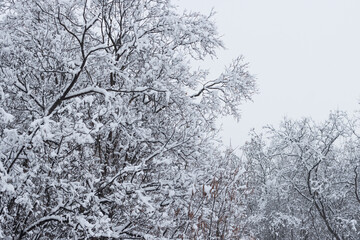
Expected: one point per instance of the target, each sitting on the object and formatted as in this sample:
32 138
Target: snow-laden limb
107 93
42 221
89 90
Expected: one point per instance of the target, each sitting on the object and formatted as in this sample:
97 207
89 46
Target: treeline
106 132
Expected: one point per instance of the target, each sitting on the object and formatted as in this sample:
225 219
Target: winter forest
107 131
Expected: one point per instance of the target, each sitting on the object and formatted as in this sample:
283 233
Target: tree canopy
106 130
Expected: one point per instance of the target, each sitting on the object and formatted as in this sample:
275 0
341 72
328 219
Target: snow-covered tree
105 129
305 177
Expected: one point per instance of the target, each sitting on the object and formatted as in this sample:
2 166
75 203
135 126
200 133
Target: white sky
304 53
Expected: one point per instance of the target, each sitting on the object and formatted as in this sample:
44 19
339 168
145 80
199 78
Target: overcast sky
305 55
